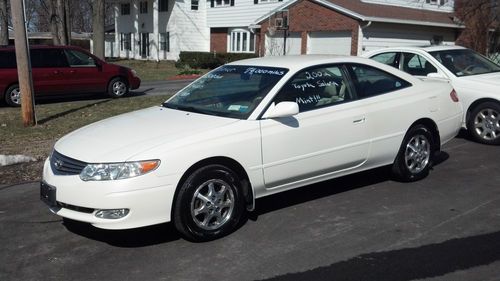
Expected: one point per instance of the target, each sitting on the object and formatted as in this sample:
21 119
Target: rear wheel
484 123
117 87
209 204
415 156
13 95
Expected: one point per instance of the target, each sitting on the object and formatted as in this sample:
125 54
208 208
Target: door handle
359 121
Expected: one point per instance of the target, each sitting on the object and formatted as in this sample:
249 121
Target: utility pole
23 63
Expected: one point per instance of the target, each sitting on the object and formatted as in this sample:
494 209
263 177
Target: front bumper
148 198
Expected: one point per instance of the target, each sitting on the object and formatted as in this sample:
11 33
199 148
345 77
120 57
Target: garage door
274 44
337 43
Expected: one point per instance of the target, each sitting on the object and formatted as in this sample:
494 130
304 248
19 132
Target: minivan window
48 58
79 59
8 59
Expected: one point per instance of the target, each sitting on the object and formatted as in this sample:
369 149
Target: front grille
63 165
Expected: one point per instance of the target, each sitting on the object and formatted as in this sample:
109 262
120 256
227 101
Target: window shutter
212 3
232 2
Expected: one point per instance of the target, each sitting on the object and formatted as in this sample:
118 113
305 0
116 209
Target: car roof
300 61
416 48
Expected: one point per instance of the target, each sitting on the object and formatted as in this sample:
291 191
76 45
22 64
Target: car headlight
134 73
117 171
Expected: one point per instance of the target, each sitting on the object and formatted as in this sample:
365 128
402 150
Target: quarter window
316 88
369 81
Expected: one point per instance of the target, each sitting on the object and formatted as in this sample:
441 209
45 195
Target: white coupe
475 78
246 130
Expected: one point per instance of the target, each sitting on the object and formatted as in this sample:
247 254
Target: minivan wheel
117 87
415 155
484 123
13 96
209 204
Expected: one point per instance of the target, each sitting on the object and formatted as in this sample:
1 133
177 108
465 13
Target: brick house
161 29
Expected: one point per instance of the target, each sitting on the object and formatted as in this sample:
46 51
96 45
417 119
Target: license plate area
48 194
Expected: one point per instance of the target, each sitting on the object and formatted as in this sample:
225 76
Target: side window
8 59
316 87
79 59
370 81
387 58
45 58
416 65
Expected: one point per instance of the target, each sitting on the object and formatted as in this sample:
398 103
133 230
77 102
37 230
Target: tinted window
387 58
370 81
48 58
8 59
77 58
465 62
416 65
316 87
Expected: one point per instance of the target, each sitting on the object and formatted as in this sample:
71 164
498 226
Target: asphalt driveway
359 227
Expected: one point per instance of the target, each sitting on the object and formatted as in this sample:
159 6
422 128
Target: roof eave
414 22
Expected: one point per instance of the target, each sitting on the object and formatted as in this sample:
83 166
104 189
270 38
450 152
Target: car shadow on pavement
129 238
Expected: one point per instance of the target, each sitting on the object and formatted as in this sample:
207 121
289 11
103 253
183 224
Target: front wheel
209 204
415 156
484 123
13 95
117 87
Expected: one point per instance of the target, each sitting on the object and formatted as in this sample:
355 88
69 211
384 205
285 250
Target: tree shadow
61 114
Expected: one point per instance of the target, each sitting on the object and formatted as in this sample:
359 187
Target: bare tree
4 23
59 21
98 10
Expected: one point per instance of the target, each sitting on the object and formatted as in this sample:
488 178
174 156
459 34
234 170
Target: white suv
475 78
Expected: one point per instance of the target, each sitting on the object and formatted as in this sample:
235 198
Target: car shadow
166 232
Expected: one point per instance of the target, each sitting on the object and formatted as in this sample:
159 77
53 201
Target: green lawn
151 70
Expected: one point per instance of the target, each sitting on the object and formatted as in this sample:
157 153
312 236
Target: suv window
8 59
416 65
370 81
316 87
48 58
79 59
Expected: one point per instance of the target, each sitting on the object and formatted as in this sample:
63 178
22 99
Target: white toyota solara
475 78
246 130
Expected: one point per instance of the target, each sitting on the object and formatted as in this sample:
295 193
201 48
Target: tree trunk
98 27
4 23
59 21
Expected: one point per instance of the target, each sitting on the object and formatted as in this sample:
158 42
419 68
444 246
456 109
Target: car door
84 74
328 135
48 70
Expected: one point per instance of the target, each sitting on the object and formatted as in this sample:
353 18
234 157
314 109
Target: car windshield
229 91
465 62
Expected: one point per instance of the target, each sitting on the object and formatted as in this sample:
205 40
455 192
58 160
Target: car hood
488 78
119 138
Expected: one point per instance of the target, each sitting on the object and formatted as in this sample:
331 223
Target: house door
144 45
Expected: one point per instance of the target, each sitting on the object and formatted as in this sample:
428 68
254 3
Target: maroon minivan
64 70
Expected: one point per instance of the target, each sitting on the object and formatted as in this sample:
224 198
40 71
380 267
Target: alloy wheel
417 153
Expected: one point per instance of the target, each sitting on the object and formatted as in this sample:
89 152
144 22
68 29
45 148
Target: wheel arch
430 124
229 163
473 105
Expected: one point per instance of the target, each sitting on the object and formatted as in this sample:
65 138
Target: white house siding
187 29
417 4
242 14
275 43
379 35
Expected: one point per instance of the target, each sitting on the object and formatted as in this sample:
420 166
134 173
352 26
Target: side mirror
282 109
436 75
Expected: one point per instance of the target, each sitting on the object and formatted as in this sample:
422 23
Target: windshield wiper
184 108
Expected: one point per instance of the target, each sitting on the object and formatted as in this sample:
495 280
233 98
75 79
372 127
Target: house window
194 5
436 2
125 40
266 1
165 41
241 41
125 9
222 3
163 6
143 7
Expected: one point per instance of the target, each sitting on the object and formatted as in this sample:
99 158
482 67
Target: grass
54 121
151 70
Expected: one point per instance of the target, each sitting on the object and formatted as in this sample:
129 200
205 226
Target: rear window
8 59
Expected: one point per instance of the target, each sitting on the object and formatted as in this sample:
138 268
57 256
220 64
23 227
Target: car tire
209 204
13 96
117 87
483 123
415 156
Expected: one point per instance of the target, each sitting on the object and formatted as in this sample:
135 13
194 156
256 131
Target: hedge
208 60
